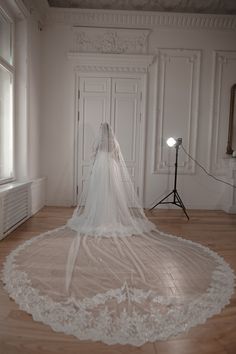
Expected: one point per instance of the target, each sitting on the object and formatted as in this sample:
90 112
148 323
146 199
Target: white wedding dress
109 274
111 207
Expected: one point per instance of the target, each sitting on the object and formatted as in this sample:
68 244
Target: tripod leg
181 204
162 200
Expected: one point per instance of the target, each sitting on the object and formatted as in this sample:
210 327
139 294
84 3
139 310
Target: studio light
174 142
171 142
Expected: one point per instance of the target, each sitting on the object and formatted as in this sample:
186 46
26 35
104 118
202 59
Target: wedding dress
111 207
109 274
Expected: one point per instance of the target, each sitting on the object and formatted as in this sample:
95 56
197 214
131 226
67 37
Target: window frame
10 68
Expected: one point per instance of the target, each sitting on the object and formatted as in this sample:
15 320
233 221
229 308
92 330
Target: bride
111 207
109 274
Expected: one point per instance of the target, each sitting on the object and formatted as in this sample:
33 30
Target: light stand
176 198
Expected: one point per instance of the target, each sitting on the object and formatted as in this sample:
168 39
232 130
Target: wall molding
139 19
36 9
160 164
110 40
217 163
127 63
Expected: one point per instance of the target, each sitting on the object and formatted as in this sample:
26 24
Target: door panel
125 121
125 126
95 85
116 101
94 108
125 85
93 113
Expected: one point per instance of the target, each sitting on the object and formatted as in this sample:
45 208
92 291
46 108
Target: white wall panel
177 101
224 77
126 101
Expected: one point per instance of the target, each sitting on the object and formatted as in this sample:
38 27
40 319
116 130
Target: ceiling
188 6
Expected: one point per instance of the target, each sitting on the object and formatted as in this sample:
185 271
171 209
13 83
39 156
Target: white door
116 101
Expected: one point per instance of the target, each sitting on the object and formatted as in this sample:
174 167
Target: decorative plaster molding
37 8
138 19
186 6
95 68
22 11
110 40
217 163
164 56
91 62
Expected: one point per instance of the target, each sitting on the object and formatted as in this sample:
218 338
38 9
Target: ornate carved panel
223 78
110 40
178 74
126 63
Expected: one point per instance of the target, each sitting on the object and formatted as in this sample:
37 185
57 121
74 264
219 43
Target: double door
116 100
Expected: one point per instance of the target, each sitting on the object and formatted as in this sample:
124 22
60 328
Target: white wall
197 190
28 54
58 99
198 45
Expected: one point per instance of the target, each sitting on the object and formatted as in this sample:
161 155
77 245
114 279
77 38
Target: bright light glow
171 142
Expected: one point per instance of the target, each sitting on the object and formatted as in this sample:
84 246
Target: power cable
203 168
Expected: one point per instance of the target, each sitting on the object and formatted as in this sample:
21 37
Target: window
6 98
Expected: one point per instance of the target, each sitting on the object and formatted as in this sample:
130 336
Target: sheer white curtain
6 125
6 98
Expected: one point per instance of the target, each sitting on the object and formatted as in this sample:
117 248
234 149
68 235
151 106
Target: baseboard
59 203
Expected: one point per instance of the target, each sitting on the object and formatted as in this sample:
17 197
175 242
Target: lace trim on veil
76 317
119 300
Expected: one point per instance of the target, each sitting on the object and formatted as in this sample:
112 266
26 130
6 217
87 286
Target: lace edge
212 302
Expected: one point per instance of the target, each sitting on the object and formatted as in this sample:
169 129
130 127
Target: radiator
15 206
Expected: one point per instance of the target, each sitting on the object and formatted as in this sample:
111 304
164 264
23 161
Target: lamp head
174 142
171 142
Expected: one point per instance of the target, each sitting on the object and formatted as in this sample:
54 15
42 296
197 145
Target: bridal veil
109 274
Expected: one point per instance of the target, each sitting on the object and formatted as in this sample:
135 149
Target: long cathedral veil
109 274
111 205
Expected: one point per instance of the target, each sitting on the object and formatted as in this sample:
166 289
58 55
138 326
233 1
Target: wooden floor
19 334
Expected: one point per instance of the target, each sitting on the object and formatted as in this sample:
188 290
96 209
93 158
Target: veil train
109 274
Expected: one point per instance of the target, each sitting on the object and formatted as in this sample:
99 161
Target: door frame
112 65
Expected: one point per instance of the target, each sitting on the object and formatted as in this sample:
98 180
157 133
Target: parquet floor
19 334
